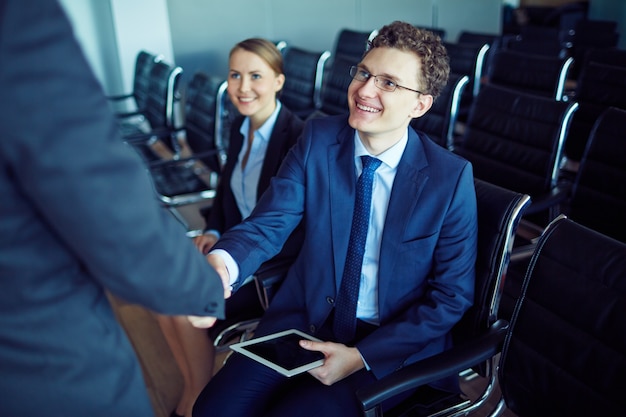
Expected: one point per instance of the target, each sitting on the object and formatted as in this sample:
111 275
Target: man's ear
423 103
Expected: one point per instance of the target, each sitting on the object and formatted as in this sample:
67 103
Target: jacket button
312 328
330 300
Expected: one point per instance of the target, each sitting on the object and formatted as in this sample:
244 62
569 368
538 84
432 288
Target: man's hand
202 322
204 243
340 361
220 267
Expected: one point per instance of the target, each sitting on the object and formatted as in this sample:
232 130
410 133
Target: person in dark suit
415 276
259 140
79 221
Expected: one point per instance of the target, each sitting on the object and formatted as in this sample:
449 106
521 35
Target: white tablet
282 352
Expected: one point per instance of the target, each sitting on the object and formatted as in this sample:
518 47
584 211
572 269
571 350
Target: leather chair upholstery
439 122
515 140
563 353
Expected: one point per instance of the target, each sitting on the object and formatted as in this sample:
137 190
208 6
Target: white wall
112 32
93 27
204 31
198 34
611 10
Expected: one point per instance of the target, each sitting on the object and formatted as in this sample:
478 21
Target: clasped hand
204 322
340 361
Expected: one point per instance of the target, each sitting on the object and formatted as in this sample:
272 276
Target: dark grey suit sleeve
86 196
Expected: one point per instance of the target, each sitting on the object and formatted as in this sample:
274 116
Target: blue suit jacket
426 270
78 217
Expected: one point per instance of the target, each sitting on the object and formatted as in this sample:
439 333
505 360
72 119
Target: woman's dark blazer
224 212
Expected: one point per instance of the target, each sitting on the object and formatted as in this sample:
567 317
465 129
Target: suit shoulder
434 150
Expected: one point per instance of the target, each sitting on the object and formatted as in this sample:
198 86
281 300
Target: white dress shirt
367 305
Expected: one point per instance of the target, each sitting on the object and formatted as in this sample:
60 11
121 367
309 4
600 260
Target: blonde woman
259 140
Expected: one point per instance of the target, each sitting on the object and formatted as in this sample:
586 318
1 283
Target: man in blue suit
78 217
416 277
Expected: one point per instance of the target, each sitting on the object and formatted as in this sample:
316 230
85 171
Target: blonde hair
265 49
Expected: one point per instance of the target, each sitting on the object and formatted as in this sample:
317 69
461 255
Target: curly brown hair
426 45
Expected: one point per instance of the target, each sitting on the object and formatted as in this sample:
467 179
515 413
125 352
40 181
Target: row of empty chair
515 140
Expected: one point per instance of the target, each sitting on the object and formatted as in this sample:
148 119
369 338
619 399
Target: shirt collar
265 131
391 157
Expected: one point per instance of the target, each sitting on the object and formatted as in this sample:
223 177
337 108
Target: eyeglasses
384 83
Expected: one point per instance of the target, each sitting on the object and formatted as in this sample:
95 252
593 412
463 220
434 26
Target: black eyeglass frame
355 69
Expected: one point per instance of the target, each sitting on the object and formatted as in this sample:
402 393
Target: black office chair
515 140
304 71
563 353
534 74
589 34
538 40
499 211
597 199
599 87
333 96
162 98
135 101
192 177
352 43
439 122
468 59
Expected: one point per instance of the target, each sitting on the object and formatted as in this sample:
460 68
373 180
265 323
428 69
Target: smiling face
252 85
379 116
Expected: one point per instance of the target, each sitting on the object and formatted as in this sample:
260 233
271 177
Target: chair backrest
515 140
599 87
608 56
468 59
538 40
304 70
201 112
599 193
141 78
334 99
536 74
589 35
564 351
476 38
351 43
163 93
438 123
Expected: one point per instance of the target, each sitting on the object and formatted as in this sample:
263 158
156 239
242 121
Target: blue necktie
344 324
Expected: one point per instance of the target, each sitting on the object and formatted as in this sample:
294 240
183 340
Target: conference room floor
163 380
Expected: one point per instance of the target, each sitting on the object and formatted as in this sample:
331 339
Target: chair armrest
119 97
435 367
181 161
156 133
555 196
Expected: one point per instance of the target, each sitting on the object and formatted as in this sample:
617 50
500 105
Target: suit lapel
273 153
405 194
342 186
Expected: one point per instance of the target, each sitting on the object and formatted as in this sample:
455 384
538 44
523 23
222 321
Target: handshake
217 262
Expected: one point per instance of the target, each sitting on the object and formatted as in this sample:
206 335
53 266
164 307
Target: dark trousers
246 388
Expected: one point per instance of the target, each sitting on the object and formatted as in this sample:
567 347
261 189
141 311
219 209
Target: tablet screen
282 352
